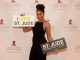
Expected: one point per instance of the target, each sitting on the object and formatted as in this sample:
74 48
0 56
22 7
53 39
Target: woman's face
40 15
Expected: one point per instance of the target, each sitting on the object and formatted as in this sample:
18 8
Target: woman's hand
55 52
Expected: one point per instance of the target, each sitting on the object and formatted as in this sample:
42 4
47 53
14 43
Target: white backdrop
64 16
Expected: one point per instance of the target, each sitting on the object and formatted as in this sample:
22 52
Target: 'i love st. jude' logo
23 21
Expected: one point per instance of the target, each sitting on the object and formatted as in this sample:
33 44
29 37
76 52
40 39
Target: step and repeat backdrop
63 15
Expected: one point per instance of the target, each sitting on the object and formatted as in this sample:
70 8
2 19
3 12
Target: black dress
38 38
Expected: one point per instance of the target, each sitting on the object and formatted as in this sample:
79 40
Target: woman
41 27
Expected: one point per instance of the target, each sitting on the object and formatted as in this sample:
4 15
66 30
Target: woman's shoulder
46 23
36 22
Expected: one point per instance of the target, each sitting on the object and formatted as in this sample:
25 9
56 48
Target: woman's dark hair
40 7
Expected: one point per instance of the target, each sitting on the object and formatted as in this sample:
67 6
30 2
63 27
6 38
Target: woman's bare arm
27 29
48 31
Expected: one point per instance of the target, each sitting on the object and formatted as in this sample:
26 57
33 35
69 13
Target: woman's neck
42 20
